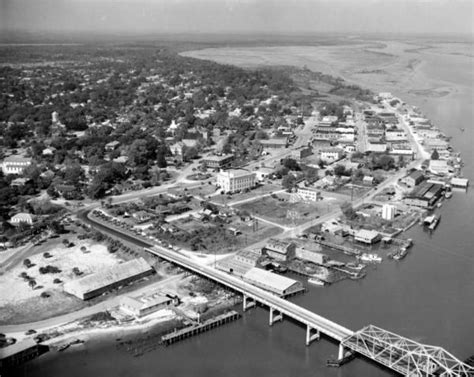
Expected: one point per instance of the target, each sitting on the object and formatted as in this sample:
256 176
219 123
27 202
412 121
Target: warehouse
19 353
273 283
143 306
95 284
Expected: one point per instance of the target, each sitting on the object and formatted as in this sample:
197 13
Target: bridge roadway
311 320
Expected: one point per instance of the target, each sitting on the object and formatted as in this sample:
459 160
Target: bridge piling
275 317
310 336
248 303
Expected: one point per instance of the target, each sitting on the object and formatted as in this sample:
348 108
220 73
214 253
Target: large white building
235 180
15 164
279 285
309 193
388 212
331 154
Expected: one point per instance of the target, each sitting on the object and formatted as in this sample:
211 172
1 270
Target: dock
199 328
344 249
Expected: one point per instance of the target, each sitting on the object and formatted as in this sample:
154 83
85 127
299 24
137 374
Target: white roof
268 278
107 276
367 234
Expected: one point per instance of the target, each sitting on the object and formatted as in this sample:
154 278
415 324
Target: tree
348 210
291 164
339 170
190 153
435 155
288 181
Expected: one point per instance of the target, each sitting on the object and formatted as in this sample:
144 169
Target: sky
239 16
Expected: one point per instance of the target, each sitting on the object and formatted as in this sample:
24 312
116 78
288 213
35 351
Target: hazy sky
209 16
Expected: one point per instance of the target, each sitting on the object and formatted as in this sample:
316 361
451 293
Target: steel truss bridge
404 355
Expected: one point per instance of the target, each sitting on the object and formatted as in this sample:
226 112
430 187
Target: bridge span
400 354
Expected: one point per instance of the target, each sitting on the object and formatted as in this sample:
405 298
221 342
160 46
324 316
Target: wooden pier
196 329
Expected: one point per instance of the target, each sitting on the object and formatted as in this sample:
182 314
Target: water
427 297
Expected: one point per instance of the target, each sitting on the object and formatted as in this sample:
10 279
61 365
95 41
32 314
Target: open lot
280 209
20 300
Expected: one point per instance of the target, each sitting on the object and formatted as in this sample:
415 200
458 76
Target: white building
395 135
309 193
143 306
279 285
331 154
388 212
439 167
367 236
376 147
15 164
235 180
19 218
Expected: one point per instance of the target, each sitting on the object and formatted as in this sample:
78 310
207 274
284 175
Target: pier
199 328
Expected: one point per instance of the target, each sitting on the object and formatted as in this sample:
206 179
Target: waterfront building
460 182
100 282
280 250
235 180
439 167
143 306
331 154
217 161
388 212
22 217
309 193
239 263
424 195
15 164
279 285
311 256
414 178
367 236
18 353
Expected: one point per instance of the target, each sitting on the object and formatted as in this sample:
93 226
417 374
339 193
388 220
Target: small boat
371 258
439 204
63 347
448 194
317 282
432 221
401 253
356 266
462 129
77 341
434 224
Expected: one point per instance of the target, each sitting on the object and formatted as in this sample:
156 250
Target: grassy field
283 211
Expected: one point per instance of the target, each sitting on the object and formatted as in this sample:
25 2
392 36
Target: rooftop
17 347
279 282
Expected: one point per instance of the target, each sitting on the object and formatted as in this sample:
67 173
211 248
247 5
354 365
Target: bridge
400 354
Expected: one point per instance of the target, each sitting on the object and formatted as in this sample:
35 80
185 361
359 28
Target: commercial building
279 285
15 164
280 250
460 182
376 147
439 167
143 306
395 135
239 263
274 143
388 212
18 353
367 236
424 195
331 154
309 193
217 161
414 178
235 180
95 284
300 153
311 256
403 149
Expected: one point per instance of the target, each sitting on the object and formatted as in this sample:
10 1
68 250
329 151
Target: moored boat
316 281
372 258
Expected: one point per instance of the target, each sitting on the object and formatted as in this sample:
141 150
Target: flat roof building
97 283
143 306
235 180
367 236
217 161
18 353
276 284
280 250
15 164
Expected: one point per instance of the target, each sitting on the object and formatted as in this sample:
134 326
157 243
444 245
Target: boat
432 221
316 281
374 258
448 194
356 266
63 347
439 204
401 253
77 341
462 129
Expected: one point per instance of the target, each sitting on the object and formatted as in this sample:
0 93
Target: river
429 296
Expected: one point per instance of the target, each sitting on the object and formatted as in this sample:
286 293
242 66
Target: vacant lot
282 210
21 299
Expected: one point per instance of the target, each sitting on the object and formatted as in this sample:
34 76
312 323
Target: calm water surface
428 297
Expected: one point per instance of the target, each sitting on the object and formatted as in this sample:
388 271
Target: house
280 250
19 182
177 149
350 148
141 216
331 154
112 145
367 236
217 161
235 180
68 192
414 178
395 135
15 164
22 217
401 149
368 180
49 151
263 173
